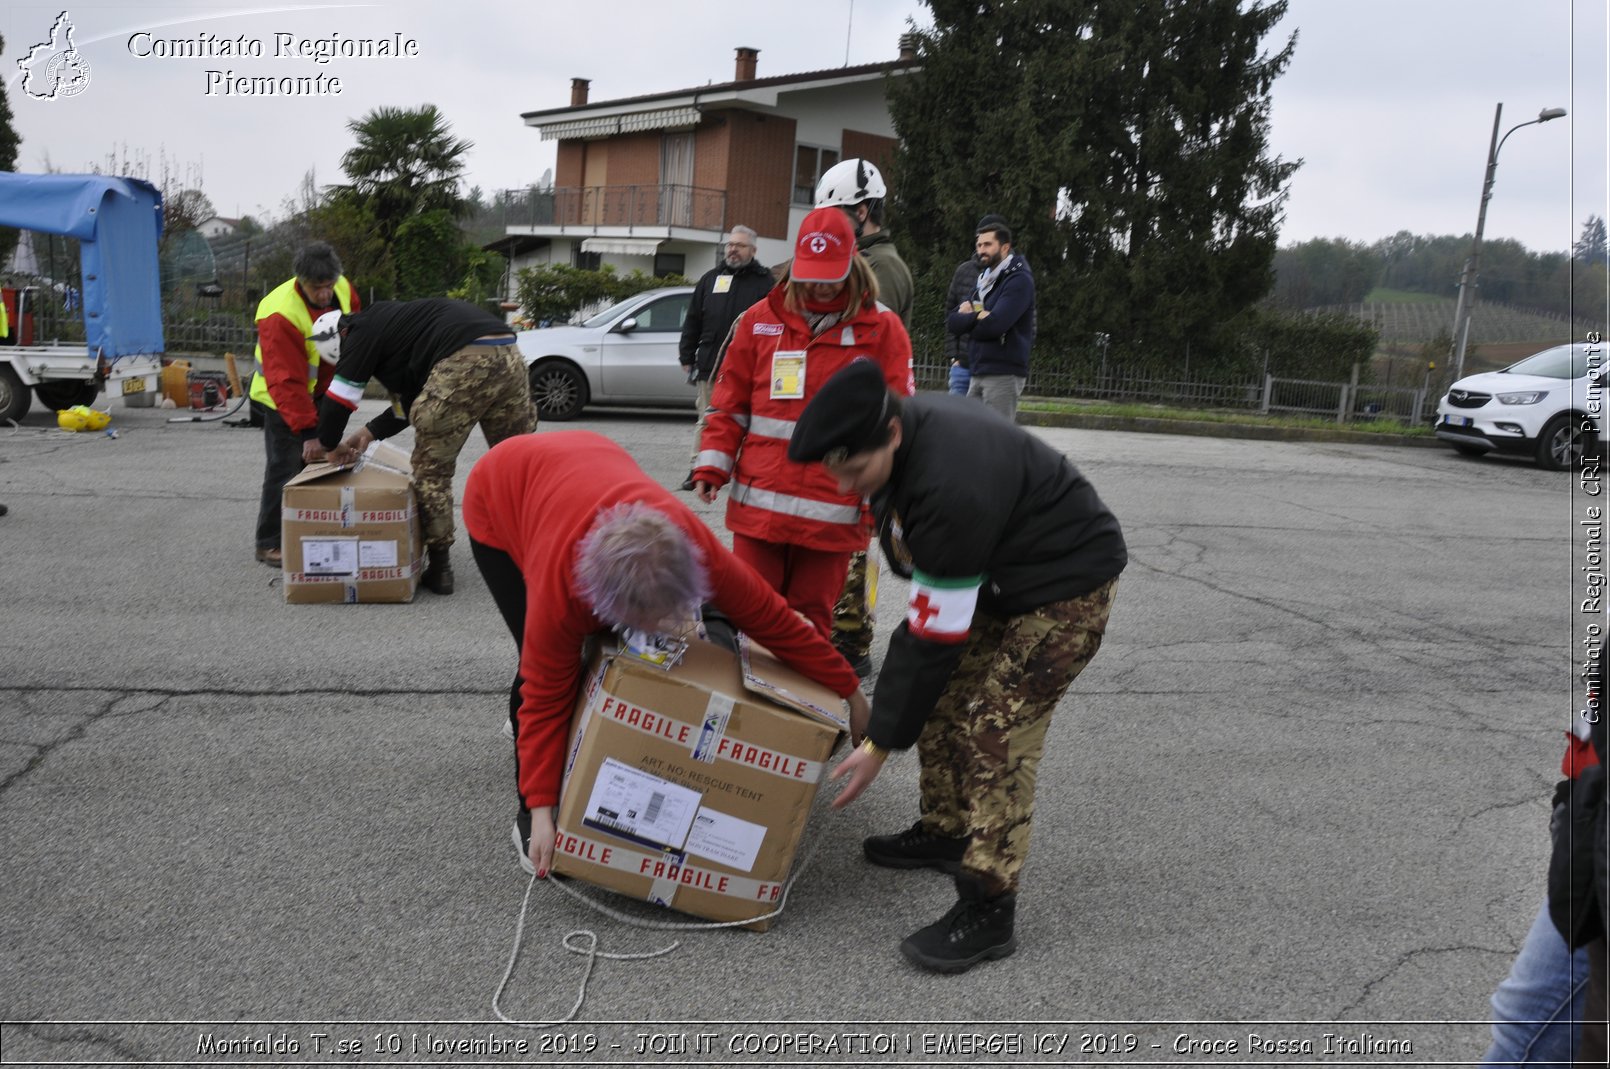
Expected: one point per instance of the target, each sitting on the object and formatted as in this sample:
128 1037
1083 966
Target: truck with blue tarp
116 222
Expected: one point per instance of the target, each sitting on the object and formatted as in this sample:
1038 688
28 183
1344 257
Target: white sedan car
1549 406
624 355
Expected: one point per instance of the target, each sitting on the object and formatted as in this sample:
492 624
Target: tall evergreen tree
10 147
1127 143
1591 248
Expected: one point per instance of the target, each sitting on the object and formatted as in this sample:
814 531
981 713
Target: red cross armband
941 609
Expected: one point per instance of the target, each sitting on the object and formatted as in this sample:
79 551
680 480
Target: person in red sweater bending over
572 538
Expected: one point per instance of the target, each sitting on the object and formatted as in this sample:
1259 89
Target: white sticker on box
725 839
640 807
717 712
330 556
382 554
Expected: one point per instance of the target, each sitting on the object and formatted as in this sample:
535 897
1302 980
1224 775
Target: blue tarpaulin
117 222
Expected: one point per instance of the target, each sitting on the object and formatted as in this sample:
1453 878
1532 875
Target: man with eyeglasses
724 293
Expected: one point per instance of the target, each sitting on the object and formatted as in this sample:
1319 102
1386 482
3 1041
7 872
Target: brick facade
742 169
760 166
634 159
567 167
874 147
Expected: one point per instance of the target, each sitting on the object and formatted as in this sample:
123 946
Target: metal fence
660 204
1344 402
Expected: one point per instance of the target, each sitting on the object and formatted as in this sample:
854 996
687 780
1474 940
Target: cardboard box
353 534
689 786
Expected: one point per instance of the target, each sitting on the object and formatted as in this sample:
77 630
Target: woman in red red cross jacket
790 522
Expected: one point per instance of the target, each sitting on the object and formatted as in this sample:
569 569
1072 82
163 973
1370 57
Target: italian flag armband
348 394
941 609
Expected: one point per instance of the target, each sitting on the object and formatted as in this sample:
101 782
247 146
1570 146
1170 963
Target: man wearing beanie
963 284
1013 561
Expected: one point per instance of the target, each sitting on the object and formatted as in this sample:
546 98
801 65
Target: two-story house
653 182
217 226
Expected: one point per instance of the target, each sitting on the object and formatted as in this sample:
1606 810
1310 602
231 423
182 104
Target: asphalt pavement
1301 792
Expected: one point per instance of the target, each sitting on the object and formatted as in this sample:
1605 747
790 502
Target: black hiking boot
916 848
978 928
438 577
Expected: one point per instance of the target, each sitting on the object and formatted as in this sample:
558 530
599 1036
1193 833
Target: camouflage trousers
856 610
483 384
981 747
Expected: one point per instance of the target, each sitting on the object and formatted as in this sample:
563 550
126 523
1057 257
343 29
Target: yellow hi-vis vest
287 301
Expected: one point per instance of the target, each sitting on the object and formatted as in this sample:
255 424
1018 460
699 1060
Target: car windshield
1560 362
603 318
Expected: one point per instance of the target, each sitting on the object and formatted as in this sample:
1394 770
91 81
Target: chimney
746 65
578 91
908 47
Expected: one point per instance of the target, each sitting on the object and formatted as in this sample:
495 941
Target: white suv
1539 407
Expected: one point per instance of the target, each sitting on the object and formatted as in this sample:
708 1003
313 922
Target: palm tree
405 162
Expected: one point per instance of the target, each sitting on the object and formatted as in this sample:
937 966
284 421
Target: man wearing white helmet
857 187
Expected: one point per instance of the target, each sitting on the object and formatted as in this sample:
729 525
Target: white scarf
986 279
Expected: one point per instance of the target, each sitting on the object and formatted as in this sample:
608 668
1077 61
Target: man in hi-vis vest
290 379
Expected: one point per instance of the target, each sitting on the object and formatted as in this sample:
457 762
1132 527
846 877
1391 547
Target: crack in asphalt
1254 599
117 698
1535 798
48 1033
1376 638
44 750
1347 1011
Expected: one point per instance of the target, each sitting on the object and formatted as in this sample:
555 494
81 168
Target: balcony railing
657 206
526 207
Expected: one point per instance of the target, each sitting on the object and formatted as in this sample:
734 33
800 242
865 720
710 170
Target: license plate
135 385
1458 421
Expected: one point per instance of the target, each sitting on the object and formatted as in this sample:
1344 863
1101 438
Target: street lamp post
1472 271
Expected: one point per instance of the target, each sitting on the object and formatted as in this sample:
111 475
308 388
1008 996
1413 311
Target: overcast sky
1389 103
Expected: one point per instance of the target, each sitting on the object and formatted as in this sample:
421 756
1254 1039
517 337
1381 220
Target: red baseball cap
824 248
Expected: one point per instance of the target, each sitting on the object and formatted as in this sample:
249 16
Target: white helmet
849 182
326 336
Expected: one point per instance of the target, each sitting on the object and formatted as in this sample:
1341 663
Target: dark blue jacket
999 343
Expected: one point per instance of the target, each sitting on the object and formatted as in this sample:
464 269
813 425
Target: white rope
591 951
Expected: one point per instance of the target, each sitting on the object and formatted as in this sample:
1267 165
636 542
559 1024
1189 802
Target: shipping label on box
686 788
352 535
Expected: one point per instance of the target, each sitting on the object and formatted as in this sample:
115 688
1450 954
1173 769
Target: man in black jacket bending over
448 366
724 293
1013 561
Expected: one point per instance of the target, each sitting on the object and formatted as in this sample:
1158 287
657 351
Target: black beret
849 412
992 220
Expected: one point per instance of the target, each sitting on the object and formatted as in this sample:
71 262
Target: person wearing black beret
1013 561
